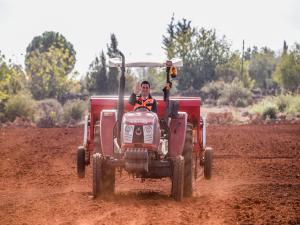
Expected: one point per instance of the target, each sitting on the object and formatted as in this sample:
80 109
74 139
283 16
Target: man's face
145 90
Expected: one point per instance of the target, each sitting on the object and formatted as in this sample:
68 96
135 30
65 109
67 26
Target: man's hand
168 86
137 88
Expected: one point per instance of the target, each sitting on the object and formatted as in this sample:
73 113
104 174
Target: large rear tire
208 158
106 179
97 175
81 162
177 178
188 162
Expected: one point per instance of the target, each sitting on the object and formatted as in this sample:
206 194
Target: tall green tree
12 79
261 67
168 39
231 70
201 50
287 73
96 78
113 73
48 61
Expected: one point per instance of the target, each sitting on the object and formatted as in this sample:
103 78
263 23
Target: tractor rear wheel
81 162
177 178
188 162
97 175
105 181
208 157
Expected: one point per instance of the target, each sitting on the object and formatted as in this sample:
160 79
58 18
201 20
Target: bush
74 110
241 102
20 105
2 117
270 112
49 113
213 90
293 109
287 104
235 94
283 102
262 105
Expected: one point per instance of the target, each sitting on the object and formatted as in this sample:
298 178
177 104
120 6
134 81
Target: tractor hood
140 129
139 118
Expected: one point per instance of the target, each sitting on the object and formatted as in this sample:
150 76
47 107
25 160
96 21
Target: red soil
256 180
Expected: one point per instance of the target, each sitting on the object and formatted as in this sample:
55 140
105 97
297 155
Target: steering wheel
142 109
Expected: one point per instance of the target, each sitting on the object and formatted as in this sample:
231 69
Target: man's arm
132 99
154 106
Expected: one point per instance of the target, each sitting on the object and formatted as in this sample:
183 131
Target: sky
140 24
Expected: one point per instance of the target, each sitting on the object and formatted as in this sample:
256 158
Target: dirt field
256 180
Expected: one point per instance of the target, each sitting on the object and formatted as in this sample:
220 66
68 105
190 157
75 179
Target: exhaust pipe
121 96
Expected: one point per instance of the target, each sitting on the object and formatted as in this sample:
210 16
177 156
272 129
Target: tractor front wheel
81 162
178 178
108 178
97 175
208 157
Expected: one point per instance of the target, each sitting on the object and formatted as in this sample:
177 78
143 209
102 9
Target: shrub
283 102
49 113
20 105
73 110
235 94
293 109
213 90
2 117
241 102
287 104
270 112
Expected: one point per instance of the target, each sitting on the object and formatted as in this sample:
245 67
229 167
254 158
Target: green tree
231 70
287 73
96 79
48 61
200 49
12 79
113 74
4 79
262 65
285 47
168 40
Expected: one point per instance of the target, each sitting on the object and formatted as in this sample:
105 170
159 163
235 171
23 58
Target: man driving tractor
141 98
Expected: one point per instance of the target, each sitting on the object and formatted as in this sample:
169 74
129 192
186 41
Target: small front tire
208 158
81 162
97 175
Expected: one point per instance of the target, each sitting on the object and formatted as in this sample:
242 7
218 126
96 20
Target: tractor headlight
148 134
128 133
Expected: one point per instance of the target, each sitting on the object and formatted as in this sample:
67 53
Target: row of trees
49 65
50 59
208 57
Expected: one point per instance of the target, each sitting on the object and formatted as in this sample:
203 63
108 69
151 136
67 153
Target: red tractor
170 143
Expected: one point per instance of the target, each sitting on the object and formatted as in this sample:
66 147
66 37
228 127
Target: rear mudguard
177 134
108 120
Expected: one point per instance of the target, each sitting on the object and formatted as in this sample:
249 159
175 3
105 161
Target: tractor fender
108 120
177 134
